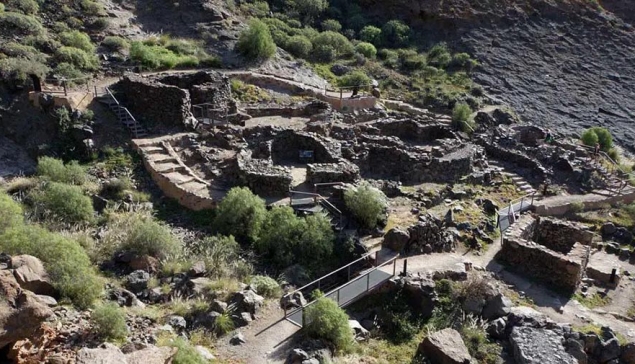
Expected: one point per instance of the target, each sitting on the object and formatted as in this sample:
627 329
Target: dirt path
269 339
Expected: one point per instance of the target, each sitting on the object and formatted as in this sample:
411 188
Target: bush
309 9
78 58
614 154
13 49
109 322
370 34
100 24
19 69
395 33
65 261
324 53
11 213
28 7
256 42
366 203
355 78
461 115
20 23
596 135
115 43
67 71
240 213
78 40
221 255
299 46
92 8
439 56
286 239
463 60
1 8
339 43
367 49
265 286
326 320
54 170
331 25
64 202
186 353
154 56
145 236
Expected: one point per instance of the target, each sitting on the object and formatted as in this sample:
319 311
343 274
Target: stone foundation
261 176
343 171
561 236
555 269
286 147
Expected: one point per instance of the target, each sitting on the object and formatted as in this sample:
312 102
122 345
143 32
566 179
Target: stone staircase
313 204
123 114
519 181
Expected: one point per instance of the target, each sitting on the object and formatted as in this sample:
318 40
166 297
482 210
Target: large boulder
396 239
145 263
445 347
628 354
420 293
104 354
292 300
623 236
538 346
359 332
30 274
21 313
152 355
608 228
247 301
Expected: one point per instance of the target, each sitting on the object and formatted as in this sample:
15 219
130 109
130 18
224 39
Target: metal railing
321 200
625 176
346 293
361 88
507 216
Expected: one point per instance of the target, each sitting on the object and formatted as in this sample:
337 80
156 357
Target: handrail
324 184
322 199
613 162
318 198
111 95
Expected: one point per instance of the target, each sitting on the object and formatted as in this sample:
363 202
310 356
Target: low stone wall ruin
302 110
287 145
555 269
261 176
561 236
411 130
343 171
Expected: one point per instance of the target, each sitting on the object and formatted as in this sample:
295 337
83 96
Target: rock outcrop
445 347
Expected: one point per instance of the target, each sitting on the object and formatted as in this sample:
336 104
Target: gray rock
207 320
198 286
242 319
496 329
623 236
247 301
205 353
396 239
104 354
218 306
137 281
628 354
198 269
609 350
576 349
237 339
47 300
311 361
177 322
474 305
359 332
497 307
421 292
292 300
445 346
30 274
538 346
297 356
125 298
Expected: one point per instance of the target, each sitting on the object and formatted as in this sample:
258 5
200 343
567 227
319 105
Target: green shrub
366 203
370 34
186 353
115 43
20 23
439 56
479 347
240 213
614 154
461 117
223 324
265 286
221 255
309 9
65 261
92 8
257 9
398 320
331 25
152 55
78 58
463 60
13 49
367 49
109 321
411 60
64 202
28 7
324 53
54 169
145 236
67 71
286 239
19 69
395 33
298 45
355 78
100 24
77 39
256 42
42 42
325 41
11 213
326 320
1 8
600 135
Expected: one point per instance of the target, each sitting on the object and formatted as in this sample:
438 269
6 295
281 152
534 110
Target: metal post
341 94
394 267
349 273
367 282
338 297
405 266
95 90
376 258
613 274
319 284
65 91
521 204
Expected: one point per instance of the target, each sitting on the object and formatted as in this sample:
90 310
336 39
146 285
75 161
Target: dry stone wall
287 145
261 176
561 236
343 171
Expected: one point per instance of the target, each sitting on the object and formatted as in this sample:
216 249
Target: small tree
65 202
366 203
355 78
309 9
241 214
599 135
336 41
109 321
326 320
10 212
332 25
395 33
256 42
145 236
370 34
461 115
367 49
299 46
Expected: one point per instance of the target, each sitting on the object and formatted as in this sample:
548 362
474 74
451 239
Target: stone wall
261 176
287 145
551 267
153 102
561 236
411 130
204 87
301 110
538 171
344 171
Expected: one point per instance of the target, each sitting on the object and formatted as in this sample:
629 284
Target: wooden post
95 86
65 91
341 93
